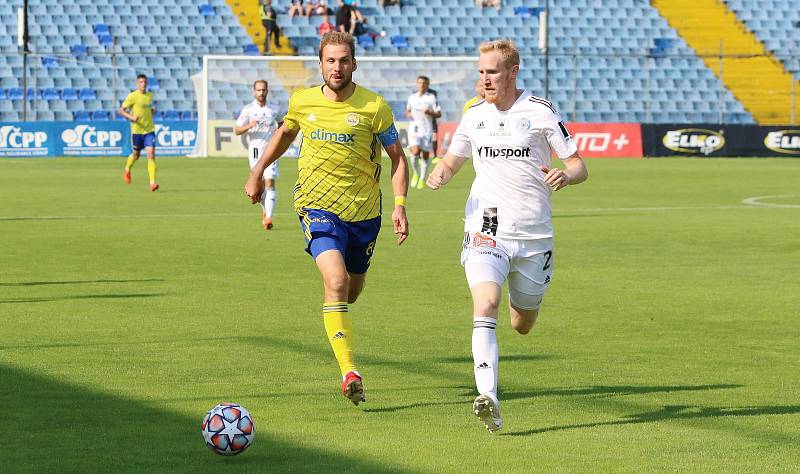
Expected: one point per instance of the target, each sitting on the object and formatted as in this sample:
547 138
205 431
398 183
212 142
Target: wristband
400 201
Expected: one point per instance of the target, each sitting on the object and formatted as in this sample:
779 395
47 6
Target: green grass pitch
669 339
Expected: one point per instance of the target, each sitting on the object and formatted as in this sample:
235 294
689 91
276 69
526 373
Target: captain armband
389 136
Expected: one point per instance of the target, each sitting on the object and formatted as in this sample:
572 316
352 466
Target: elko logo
784 141
694 140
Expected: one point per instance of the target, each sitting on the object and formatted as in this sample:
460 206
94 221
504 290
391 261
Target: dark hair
141 76
425 78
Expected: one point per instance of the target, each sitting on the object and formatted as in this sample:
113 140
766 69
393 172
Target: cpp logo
167 138
86 136
13 137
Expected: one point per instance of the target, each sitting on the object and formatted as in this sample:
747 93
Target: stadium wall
99 138
594 140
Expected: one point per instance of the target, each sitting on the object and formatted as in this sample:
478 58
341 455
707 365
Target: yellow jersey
140 105
471 102
340 152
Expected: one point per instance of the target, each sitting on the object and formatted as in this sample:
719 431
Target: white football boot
487 409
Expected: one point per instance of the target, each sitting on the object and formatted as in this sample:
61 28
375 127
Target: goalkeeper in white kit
510 136
259 121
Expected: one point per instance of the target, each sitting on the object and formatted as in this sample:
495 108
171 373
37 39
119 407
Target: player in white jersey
259 121
510 136
422 108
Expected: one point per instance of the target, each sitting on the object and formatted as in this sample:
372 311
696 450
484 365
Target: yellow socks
130 163
339 328
151 170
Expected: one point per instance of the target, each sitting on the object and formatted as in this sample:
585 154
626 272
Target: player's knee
523 325
336 283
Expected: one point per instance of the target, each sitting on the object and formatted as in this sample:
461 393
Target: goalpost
224 86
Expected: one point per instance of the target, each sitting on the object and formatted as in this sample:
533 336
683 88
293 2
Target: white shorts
526 264
272 170
423 141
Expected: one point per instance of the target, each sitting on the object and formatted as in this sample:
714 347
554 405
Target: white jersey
421 123
258 136
509 198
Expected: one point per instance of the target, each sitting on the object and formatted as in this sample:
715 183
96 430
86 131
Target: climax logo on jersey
481 240
490 152
784 141
694 140
324 135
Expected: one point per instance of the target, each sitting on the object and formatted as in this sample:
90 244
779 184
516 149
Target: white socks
268 201
485 354
423 168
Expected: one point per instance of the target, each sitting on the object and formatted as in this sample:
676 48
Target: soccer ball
228 429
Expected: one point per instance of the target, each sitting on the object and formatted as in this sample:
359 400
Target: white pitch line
746 204
756 201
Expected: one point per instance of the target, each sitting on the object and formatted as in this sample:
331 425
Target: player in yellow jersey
337 195
143 131
479 94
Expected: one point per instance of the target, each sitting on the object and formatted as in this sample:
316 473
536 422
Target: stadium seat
171 115
399 41
153 84
366 41
207 10
101 115
33 94
49 62
50 94
105 40
101 28
78 50
188 115
87 93
251 50
15 93
81 116
3 95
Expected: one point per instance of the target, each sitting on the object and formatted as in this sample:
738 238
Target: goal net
225 86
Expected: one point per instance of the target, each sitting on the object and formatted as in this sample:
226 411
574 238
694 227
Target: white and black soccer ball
228 429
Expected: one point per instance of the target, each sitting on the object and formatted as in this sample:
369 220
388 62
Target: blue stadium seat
87 93
101 28
81 116
153 84
15 93
50 94
171 115
366 41
49 62
251 50
101 115
78 50
399 41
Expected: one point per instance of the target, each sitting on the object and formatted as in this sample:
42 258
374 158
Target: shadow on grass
65 427
79 297
603 391
76 282
503 358
671 413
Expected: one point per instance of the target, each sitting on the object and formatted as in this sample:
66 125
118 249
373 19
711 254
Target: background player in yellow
337 195
143 130
479 94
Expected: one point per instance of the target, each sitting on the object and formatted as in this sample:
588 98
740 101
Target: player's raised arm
277 146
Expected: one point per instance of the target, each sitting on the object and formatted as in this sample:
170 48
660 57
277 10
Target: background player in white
508 230
421 108
259 121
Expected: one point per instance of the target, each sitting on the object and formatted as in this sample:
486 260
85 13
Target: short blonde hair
337 37
507 49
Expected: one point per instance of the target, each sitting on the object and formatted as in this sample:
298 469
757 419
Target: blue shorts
324 230
140 141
